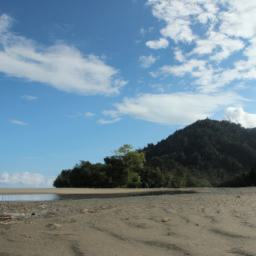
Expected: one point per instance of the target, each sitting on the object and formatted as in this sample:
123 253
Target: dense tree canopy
206 153
120 170
212 151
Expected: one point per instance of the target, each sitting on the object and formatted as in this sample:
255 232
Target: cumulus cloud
162 43
147 61
60 65
238 115
212 32
239 19
176 14
174 108
24 179
179 56
217 41
18 122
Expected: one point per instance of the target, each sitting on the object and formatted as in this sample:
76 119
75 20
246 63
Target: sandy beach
210 222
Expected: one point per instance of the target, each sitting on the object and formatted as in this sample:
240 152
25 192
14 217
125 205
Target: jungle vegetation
205 153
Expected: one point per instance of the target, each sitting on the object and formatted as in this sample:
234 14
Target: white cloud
211 32
193 66
162 43
88 114
147 61
238 115
179 31
179 56
5 23
108 121
24 179
179 15
173 108
18 122
29 97
239 20
60 66
225 46
144 31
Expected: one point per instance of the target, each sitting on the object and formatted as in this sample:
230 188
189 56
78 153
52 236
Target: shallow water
29 197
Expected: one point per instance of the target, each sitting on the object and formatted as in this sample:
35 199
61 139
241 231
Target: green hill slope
205 153
216 151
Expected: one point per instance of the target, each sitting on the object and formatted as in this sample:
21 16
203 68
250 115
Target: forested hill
214 151
206 153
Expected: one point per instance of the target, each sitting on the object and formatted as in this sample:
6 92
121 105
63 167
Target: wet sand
86 193
208 223
89 191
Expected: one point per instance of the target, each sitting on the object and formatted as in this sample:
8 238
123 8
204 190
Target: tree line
205 153
126 168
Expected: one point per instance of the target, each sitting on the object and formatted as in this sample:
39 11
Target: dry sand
212 222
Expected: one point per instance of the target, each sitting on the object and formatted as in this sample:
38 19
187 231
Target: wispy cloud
5 23
18 122
89 114
29 97
172 109
144 31
110 120
60 65
147 61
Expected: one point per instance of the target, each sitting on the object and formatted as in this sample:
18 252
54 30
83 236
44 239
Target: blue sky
80 79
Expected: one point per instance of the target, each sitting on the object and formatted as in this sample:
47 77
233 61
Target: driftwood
10 218
6 219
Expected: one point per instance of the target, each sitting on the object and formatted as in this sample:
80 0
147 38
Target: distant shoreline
97 192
